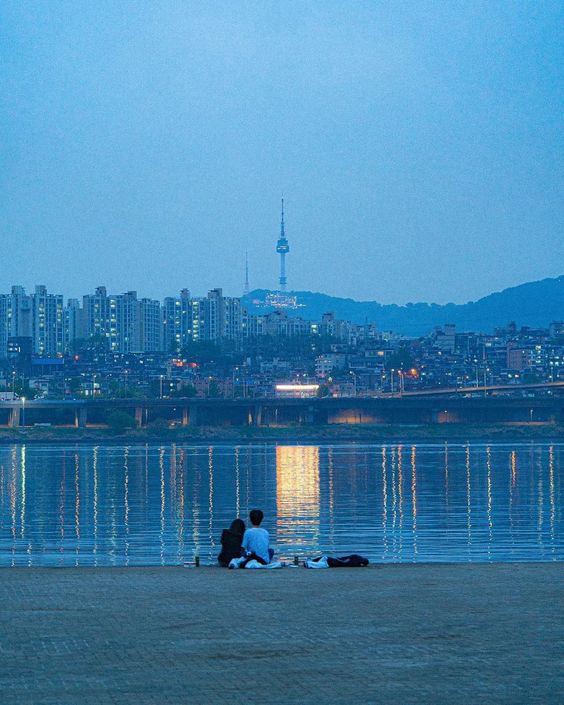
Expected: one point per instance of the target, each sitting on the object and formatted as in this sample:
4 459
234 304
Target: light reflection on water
162 505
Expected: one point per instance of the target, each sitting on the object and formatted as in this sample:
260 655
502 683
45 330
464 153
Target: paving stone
172 636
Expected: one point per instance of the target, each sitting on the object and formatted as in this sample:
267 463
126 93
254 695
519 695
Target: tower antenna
246 289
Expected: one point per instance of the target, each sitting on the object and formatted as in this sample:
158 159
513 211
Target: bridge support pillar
193 415
257 416
185 417
80 417
14 419
138 416
308 416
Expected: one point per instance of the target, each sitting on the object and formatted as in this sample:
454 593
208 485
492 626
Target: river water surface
164 504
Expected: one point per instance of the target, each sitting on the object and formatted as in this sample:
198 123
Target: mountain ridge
534 304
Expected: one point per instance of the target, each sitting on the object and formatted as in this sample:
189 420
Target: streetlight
23 411
161 386
401 382
354 381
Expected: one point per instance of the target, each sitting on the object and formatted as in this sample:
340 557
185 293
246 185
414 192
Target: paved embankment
398 634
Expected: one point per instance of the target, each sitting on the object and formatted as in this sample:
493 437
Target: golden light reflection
489 494
2 488
173 475
446 474
196 507
400 488
95 501
551 495
163 502
384 500
468 497
62 503
394 496
400 499
22 492
237 484
77 505
248 472
181 460
13 491
512 479
210 502
126 501
297 494
540 498
77 496
331 471
414 497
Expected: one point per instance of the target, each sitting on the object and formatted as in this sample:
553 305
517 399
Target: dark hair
237 526
256 516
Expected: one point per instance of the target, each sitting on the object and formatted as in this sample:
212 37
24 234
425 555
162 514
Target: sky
146 145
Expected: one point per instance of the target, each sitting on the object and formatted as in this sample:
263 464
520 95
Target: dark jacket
230 546
352 561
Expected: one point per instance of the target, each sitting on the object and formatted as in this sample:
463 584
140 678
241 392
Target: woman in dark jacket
231 540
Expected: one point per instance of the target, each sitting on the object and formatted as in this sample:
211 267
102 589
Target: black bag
352 561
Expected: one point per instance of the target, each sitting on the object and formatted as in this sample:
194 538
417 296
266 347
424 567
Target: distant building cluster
44 325
120 345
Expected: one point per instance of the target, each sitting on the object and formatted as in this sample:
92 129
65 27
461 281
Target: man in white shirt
256 540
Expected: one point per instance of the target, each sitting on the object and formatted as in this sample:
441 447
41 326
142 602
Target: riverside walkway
398 634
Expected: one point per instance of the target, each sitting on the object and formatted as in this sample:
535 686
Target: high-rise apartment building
148 326
177 322
128 333
100 317
197 320
221 317
72 323
47 323
15 317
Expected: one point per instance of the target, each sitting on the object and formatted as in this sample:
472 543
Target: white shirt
257 540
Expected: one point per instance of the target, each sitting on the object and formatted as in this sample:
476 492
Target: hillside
534 304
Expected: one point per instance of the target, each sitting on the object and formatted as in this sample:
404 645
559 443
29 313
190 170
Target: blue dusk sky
418 145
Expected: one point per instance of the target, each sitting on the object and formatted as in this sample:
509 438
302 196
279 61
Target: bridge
491 389
407 409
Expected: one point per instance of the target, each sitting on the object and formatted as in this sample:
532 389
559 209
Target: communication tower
282 247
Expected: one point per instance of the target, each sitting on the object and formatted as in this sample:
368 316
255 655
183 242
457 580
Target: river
100 505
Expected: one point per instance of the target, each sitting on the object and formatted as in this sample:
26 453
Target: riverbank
434 634
333 433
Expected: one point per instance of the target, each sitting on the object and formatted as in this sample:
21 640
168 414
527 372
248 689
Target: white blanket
254 565
317 563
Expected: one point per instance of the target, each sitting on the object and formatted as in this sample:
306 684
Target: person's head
237 526
256 516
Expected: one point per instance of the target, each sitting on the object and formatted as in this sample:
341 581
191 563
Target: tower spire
246 289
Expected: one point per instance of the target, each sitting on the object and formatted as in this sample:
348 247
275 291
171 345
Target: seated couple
252 544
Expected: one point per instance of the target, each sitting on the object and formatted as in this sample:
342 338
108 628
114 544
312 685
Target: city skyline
245 288
418 147
49 324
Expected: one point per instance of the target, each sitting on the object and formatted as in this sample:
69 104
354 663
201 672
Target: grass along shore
333 433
